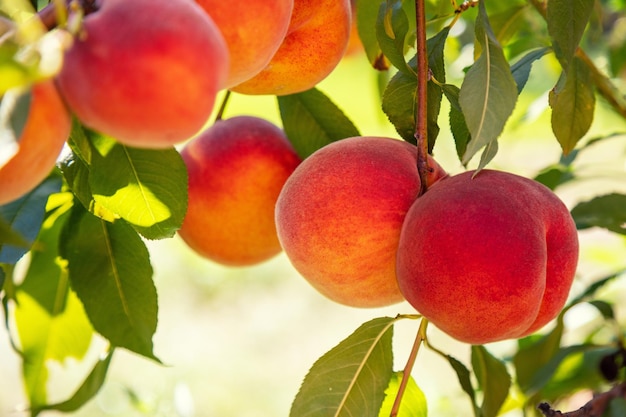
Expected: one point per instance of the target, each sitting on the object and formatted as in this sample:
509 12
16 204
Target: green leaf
399 95
110 270
88 389
9 237
493 379
532 356
62 329
16 103
413 400
606 211
488 92
555 175
458 126
567 20
616 407
593 288
392 30
604 308
521 69
311 120
366 16
145 187
573 102
25 216
508 22
350 380
490 151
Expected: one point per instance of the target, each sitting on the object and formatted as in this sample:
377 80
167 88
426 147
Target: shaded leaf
534 353
493 379
392 30
366 16
25 216
554 176
567 20
606 211
488 92
521 69
350 380
413 400
458 126
110 270
573 102
145 187
593 288
400 94
88 389
311 120
604 308
490 151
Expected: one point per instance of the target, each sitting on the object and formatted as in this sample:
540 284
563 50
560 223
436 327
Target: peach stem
220 112
406 374
421 103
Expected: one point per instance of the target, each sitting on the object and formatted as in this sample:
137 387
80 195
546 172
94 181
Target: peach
236 168
253 31
47 127
145 72
315 43
340 213
487 258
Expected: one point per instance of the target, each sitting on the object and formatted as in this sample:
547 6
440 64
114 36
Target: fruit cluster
485 256
147 73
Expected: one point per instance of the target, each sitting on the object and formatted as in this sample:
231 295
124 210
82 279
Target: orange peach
237 168
47 128
340 213
145 72
253 31
487 258
315 43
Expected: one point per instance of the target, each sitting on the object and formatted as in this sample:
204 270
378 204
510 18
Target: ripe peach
253 31
237 168
340 213
488 258
145 72
47 128
315 43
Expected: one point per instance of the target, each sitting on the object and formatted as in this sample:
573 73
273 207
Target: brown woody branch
594 408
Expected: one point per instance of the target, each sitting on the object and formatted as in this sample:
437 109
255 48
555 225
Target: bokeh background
239 341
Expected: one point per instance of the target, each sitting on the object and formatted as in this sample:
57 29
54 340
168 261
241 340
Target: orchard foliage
73 257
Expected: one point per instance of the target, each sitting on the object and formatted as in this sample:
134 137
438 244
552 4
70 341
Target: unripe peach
253 31
315 43
145 72
340 213
236 168
487 258
39 145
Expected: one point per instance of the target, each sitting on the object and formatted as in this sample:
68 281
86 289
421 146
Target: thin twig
594 408
408 368
421 96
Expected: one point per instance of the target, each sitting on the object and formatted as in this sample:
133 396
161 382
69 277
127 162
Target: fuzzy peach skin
253 30
339 217
316 41
47 128
489 258
237 168
145 72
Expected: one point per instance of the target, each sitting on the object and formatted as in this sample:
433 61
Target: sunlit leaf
351 379
493 379
145 187
567 20
606 211
488 92
25 216
573 102
311 120
413 400
62 329
109 268
88 389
